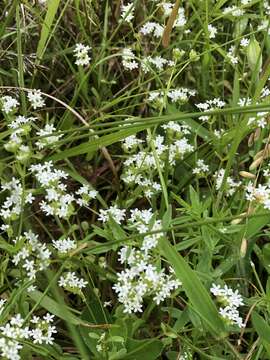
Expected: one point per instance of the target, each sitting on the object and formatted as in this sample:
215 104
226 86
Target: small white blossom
81 52
128 59
118 215
212 31
152 28
35 98
244 42
8 104
63 246
48 139
127 12
71 282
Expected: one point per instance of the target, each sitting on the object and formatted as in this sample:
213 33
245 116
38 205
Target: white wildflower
35 98
127 12
81 52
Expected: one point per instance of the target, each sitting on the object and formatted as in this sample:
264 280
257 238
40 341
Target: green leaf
149 349
54 308
97 143
262 329
255 224
52 8
196 292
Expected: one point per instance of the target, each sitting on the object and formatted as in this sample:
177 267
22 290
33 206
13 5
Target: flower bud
193 56
254 54
243 248
247 175
256 163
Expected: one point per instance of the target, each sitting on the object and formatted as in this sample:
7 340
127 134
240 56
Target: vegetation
135 179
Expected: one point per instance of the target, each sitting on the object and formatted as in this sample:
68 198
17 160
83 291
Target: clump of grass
134 168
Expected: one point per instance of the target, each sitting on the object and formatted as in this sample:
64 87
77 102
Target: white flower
180 20
244 102
157 61
128 59
212 31
234 11
233 59
152 28
87 194
200 168
232 315
13 204
131 142
81 53
244 42
127 12
210 105
114 212
35 98
63 246
71 282
48 138
231 184
232 300
8 103
20 121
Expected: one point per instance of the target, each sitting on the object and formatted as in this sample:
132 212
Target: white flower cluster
86 195
167 7
201 168
127 12
57 201
35 99
259 120
244 42
231 185
212 30
141 168
210 105
14 333
64 246
71 282
174 127
142 277
81 53
8 104
13 204
48 139
260 194
128 59
158 62
175 95
230 300
21 123
129 62
244 101
113 212
131 143
234 11
153 28
33 256
21 127
232 58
